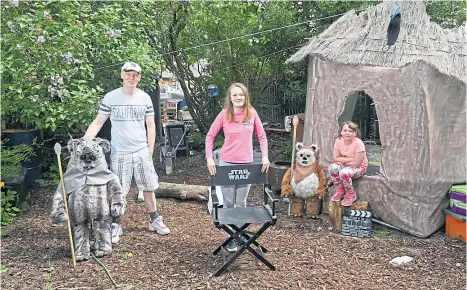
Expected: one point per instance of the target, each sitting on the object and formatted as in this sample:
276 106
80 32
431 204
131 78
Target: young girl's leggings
342 176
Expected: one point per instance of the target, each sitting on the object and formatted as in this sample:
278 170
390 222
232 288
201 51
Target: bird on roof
393 29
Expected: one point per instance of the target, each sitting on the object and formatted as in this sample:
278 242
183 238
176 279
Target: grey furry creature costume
94 196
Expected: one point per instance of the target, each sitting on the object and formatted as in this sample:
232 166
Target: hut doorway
360 109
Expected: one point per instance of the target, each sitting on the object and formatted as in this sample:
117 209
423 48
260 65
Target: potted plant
13 170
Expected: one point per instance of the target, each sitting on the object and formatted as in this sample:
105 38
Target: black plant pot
276 173
34 164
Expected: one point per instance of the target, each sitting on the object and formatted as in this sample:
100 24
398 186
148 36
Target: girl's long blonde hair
247 108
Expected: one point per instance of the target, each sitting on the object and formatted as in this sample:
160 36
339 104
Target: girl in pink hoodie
238 120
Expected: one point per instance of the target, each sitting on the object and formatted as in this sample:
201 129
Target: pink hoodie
238 143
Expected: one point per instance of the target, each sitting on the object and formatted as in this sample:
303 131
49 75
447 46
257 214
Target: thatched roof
359 39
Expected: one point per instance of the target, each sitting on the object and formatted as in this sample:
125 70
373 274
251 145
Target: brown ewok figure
94 196
306 186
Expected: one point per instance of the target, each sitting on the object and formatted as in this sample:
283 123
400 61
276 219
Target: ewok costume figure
94 196
306 186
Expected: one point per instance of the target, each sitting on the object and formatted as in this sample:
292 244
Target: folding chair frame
235 232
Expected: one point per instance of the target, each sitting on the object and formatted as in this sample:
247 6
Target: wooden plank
275 129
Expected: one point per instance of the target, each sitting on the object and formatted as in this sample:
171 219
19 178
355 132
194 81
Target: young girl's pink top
349 150
238 142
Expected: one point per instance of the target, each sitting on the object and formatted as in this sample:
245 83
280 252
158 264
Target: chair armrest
268 196
215 202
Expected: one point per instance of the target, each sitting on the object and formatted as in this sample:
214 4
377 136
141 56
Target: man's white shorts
140 165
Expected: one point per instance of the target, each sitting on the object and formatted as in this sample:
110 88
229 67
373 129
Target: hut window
360 109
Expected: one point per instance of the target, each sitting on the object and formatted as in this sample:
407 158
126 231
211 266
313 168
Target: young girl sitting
350 162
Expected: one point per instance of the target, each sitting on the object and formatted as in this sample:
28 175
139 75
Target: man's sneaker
116 233
231 246
140 196
158 226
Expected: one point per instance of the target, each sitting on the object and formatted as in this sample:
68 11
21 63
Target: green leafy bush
219 142
50 173
13 157
11 162
286 150
59 57
198 140
8 208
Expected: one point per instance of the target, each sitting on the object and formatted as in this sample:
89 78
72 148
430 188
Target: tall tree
448 14
222 42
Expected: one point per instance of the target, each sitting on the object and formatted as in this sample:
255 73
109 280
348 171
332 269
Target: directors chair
230 219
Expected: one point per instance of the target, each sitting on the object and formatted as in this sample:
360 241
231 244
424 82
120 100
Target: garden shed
419 92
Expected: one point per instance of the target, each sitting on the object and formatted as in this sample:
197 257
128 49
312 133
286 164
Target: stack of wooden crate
169 111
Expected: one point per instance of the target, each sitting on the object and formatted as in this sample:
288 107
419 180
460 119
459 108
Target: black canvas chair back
229 219
239 174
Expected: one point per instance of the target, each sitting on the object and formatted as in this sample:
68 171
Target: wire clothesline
234 38
298 45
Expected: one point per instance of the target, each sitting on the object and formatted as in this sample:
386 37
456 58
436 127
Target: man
132 147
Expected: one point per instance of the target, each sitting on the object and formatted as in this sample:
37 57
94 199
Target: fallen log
182 191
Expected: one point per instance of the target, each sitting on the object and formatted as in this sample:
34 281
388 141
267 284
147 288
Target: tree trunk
193 108
182 191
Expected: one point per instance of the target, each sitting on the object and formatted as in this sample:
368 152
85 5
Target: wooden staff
58 150
294 137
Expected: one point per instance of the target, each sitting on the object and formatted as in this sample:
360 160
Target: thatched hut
419 90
